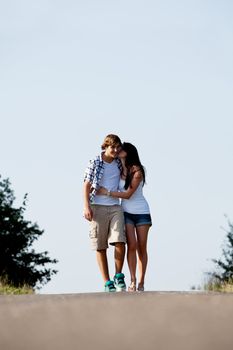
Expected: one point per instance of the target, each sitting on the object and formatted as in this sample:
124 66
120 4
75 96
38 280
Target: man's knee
120 244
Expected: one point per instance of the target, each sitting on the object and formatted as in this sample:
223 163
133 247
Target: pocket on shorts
93 231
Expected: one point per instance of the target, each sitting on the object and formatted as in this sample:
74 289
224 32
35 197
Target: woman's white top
136 204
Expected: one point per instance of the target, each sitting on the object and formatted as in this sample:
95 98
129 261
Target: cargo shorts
107 226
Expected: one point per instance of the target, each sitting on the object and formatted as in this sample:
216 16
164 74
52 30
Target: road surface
117 321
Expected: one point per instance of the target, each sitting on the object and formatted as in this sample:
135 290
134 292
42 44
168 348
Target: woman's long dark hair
132 159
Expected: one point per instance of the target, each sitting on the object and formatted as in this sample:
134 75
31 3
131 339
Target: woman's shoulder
136 171
135 168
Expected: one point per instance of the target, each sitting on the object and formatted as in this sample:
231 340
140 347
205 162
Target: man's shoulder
96 161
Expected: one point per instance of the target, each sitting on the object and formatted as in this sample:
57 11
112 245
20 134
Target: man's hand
87 213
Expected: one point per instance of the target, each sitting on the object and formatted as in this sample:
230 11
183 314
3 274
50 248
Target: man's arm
87 212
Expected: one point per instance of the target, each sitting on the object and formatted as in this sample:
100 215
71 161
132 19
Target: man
104 212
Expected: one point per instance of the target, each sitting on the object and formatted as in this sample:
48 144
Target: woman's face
122 154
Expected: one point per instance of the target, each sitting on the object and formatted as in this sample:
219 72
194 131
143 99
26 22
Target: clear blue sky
157 73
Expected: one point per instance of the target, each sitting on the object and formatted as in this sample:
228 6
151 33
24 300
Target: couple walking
118 212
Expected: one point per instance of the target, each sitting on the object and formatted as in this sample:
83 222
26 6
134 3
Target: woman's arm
137 178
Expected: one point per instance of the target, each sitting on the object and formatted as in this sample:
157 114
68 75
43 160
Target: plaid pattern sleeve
89 172
119 164
93 174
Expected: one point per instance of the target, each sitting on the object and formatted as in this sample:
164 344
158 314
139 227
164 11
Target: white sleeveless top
136 204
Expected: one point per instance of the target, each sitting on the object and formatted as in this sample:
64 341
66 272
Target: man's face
113 150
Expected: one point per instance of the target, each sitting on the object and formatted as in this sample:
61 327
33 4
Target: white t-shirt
109 180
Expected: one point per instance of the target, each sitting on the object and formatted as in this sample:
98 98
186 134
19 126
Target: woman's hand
103 191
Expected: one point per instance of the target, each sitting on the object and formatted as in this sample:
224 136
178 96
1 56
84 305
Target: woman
136 212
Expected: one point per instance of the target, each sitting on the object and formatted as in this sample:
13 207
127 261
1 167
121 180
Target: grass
218 286
6 289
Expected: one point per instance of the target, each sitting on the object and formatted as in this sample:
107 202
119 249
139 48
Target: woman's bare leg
142 235
131 251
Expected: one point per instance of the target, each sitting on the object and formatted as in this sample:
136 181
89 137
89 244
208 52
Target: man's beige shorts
107 226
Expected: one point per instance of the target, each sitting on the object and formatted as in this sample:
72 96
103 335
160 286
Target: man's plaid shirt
94 173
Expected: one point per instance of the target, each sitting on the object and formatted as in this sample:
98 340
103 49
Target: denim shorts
137 219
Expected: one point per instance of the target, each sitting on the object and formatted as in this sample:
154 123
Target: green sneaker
119 282
109 286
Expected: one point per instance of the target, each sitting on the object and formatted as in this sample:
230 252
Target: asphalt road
102 321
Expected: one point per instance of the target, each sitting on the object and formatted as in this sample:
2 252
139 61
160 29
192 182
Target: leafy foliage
18 261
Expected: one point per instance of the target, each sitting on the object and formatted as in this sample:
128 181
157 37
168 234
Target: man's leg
118 239
103 264
119 281
119 256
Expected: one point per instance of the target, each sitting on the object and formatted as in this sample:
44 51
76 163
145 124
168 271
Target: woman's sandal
140 288
132 287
